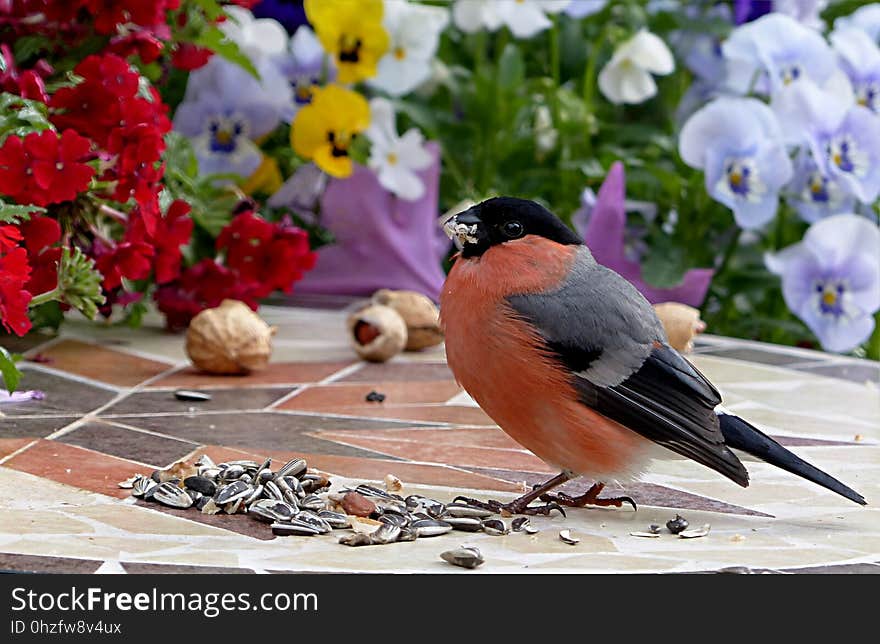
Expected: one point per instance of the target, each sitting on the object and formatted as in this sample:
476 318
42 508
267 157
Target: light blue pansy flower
843 137
304 66
866 18
738 144
859 57
815 194
783 49
831 280
583 8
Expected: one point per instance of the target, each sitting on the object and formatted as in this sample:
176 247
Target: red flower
130 260
9 238
95 106
187 56
45 168
40 236
27 84
272 256
168 234
199 287
143 43
111 13
14 299
136 171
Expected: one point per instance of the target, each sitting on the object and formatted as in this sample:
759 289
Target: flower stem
48 296
873 348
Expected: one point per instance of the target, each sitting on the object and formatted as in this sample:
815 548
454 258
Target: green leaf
11 213
215 40
511 68
21 116
11 374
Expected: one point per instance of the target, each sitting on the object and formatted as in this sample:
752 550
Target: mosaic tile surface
110 411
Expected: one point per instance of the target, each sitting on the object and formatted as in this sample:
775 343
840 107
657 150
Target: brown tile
63 395
134 568
122 442
264 430
491 437
100 363
12 427
329 397
643 493
450 414
10 445
81 468
40 564
237 523
427 451
15 344
277 373
147 402
400 372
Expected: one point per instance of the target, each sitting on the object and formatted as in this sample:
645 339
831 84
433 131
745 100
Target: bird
571 361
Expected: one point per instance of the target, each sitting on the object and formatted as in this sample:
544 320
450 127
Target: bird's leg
590 497
521 505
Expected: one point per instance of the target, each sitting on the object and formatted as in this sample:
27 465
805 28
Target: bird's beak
464 227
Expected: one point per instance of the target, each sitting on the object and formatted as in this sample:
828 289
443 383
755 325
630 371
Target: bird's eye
512 229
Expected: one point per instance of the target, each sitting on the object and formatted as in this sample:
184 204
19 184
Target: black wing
602 330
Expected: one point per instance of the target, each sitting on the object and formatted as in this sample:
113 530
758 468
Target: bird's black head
503 219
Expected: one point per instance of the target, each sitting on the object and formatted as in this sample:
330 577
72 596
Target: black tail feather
740 435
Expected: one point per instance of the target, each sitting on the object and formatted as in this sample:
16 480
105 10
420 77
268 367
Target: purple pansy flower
844 138
381 241
304 67
20 396
831 280
290 13
738 144
605 237
781 47
748 10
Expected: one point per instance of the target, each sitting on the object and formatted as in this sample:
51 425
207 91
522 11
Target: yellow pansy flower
324 129
351 31
266 178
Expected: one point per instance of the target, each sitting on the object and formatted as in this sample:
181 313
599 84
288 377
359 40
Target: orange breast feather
500 361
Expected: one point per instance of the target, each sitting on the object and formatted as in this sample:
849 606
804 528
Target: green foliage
11 374
11 213
79 282
215 40
21 116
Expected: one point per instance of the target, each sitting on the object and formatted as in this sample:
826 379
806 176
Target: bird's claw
587 499
513 507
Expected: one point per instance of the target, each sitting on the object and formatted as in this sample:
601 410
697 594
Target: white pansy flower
414 32
524 18
627 76
255 37
396 159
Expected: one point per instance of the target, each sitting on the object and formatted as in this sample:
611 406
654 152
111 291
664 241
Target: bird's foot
517 506
590 497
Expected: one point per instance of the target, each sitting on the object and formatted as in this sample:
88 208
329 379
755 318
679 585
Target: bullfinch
570 360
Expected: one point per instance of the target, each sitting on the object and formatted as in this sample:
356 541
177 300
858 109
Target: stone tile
648 494
102 363
759 356
428 451
486 437
268 431
449 414
148 402
15 344
400 372
237 523
840 569
277 373
18 427
38 564
64 396
854 372
125 443
81 468
134 568
313 301
329 397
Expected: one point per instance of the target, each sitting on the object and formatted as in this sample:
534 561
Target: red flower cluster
26 271
260 258
27 84
45 168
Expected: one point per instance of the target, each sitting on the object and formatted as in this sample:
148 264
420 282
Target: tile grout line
342 373
85 380
121 348
145 431
290 394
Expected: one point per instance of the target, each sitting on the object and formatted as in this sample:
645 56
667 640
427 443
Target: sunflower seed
431 527
495 527
232 492
192 396
694 533
565 535
466 557
172 496
465 510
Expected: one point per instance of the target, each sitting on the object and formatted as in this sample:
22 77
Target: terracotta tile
400 372
263 430
100 363
10 445
277 373
329 397
147 402
81 468
63 395
237 523
39 564
122 442
447 453
491 437
451 414
32 427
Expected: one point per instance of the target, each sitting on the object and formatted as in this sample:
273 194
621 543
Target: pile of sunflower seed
297 501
